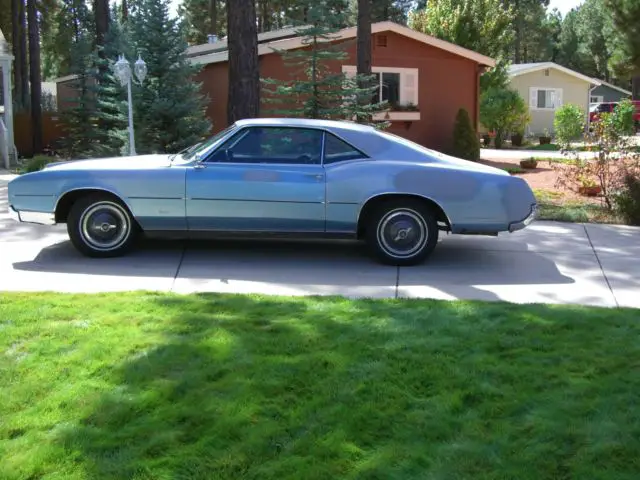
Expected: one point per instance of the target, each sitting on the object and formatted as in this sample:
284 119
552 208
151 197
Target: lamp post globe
140 69
122 70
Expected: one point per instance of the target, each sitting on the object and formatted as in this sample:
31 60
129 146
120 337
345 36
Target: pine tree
110 103
169 108
315 89
79 118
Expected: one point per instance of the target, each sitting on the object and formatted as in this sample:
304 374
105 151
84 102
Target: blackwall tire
101 226
402 233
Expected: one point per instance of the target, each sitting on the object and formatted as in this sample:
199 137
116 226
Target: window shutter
349 71
533 98
409 91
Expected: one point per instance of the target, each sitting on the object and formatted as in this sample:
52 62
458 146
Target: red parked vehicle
597 108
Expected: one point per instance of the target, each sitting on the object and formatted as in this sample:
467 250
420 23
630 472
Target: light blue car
278 177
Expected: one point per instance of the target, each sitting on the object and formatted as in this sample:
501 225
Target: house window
545 98
398 86
597 99
388 89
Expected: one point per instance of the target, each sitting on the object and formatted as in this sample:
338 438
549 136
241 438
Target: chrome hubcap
104 226
402 233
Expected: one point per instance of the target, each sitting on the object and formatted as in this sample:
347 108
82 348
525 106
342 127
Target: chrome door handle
317 176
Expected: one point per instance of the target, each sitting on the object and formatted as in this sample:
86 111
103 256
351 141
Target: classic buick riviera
277 177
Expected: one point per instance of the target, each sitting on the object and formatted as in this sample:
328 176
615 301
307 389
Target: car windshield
200 149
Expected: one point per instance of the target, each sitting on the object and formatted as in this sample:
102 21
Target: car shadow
304 262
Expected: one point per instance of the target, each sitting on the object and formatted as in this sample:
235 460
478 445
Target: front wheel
101 226
402 233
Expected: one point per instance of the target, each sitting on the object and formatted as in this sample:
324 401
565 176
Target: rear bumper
41 218
519 225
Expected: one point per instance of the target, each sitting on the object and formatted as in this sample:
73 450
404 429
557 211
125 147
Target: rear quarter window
337 150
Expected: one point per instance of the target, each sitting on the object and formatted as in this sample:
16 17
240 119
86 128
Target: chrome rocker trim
40 218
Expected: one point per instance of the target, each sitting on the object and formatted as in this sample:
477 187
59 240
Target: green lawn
553 206
151 386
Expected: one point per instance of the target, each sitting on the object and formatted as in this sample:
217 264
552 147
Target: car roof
305 122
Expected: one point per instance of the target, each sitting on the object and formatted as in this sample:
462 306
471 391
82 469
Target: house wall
574 91
609 94
446 82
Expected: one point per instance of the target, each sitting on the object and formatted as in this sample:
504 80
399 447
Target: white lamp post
122 70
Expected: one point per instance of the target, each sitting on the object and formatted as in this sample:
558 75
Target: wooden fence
52 131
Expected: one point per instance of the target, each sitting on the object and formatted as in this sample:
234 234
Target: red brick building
435 77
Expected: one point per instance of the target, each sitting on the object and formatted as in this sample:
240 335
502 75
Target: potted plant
520 122
529 163
545 138
516 139
588 187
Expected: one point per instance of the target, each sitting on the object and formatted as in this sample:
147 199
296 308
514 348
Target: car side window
337 150
277 145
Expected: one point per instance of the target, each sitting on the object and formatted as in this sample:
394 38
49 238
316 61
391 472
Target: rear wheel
402 232
101 226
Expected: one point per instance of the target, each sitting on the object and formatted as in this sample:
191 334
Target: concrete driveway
549 262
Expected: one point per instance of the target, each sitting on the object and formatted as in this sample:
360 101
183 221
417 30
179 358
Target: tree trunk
101 12
125 11
244 74
19 43
265 16
364 37
213 15
518 32
18 95
364 50
35 77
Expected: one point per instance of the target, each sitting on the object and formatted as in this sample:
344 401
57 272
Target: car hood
135 162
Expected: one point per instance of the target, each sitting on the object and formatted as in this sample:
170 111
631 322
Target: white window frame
533 98
598 99
409 81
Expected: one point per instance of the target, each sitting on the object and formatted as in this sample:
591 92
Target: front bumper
515 226
41 218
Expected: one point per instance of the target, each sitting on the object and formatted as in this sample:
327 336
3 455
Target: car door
263 178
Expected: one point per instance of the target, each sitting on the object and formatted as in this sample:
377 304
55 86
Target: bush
627 202
569 123
609 169
466 144
623 118
38 163
502 110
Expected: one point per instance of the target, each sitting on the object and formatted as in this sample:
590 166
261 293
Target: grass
154 386
546 147
554 206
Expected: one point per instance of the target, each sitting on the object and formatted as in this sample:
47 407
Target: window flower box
399 116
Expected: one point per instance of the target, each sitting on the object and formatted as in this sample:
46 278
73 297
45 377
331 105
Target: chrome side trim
40 218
